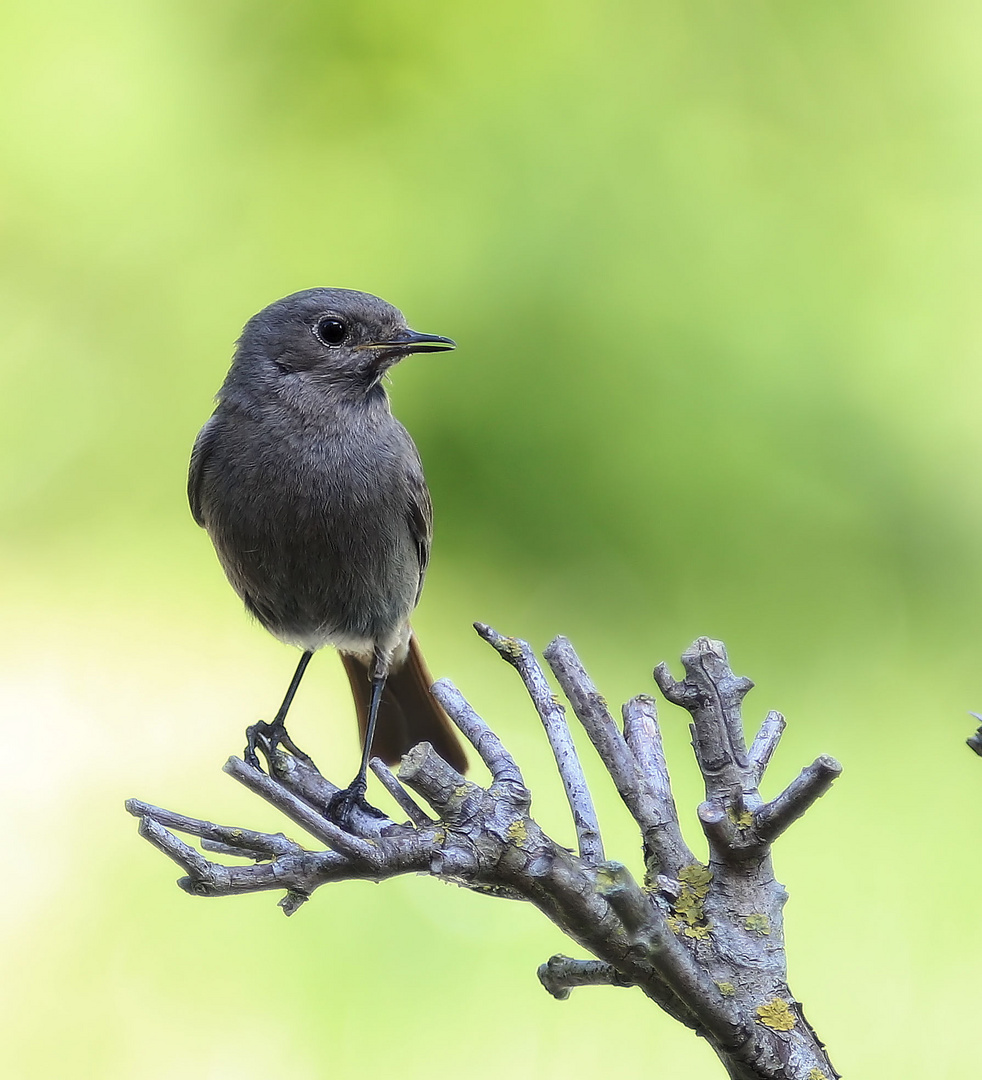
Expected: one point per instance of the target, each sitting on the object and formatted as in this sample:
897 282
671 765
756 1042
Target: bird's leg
267 737
343 802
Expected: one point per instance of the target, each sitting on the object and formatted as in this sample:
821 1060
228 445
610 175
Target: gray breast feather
305 526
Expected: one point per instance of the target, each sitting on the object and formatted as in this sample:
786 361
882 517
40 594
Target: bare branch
644 794
553 716
292 867
560 974
713 695
246 839
500 763
810 785
416 814
643 736
616 884
703 942
173 847
215 848
721 832
664 847
764 745
316 824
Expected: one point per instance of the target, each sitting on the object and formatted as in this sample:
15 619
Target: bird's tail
408 713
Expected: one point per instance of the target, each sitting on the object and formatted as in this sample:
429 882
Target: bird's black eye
331 330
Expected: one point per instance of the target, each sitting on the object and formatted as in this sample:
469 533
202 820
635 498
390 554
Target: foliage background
713 269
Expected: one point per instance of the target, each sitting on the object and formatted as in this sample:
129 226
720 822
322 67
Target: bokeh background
713 270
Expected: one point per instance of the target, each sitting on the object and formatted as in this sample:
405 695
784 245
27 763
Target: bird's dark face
331 335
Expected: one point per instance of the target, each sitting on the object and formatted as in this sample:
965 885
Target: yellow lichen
727 989
817 1074
510 645
758 923
776 1015
688 910
517 832
697 877
743 820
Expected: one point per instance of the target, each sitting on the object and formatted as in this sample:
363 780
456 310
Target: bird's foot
343 804
268 737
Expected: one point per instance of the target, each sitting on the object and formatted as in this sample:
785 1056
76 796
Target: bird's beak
408 341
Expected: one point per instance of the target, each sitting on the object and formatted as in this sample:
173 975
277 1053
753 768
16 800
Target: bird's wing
420 516
199 455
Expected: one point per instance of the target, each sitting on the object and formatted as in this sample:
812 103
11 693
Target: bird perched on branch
314 497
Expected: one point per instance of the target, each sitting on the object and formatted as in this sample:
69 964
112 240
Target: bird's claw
268 737
343 804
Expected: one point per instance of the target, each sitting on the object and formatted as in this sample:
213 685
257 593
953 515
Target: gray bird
313 495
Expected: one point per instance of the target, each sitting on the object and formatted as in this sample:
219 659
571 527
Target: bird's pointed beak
408 341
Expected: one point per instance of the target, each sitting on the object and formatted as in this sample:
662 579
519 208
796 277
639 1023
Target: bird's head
329 336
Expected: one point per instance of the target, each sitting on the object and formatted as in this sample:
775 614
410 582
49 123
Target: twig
560 974
553 716
810 784
416 814
500 763
764 744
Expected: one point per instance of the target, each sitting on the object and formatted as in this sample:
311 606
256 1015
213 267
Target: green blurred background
713 271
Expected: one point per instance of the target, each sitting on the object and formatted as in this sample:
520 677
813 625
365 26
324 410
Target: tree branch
553 716
765 743
560 974
810 784
416 814
705 943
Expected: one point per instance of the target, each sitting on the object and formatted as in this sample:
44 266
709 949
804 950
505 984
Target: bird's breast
310 521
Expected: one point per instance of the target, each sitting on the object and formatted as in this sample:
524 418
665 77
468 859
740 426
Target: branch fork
705 942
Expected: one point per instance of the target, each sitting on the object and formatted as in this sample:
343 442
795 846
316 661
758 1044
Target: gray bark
704 942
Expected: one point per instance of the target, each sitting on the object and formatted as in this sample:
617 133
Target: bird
314 497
